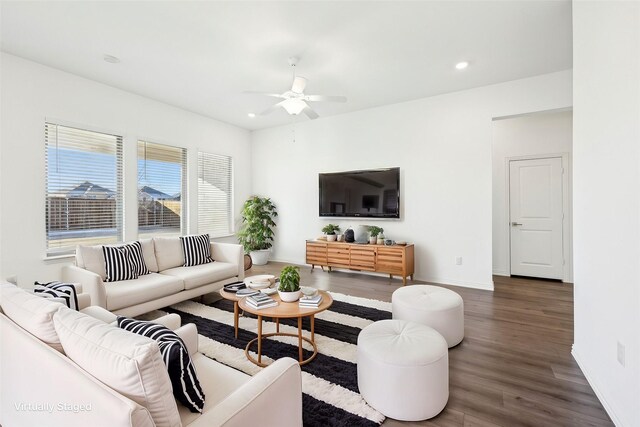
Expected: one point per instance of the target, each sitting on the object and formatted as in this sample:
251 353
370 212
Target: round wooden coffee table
286 310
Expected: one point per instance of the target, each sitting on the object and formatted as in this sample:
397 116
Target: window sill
222 236
59 257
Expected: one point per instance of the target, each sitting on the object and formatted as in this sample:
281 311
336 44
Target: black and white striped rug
329 382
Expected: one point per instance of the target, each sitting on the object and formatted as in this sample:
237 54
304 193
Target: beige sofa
42 386
168 283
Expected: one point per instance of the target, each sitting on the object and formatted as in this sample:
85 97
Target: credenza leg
404 280
411 277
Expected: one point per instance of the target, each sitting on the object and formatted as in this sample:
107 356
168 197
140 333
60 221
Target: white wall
442 145
32 92
529 135
606 160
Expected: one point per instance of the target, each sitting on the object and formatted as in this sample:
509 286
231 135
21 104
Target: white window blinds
215 194
161 189
84 188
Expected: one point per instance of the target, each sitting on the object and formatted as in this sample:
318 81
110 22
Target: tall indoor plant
256 231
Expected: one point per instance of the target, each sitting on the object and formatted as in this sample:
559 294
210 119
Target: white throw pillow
31 312
149 254
91 258
169 252
128 363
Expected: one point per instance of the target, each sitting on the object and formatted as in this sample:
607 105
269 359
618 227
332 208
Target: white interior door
535 206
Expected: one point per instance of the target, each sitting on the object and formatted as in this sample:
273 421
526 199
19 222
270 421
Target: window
215 189
161 189
84 188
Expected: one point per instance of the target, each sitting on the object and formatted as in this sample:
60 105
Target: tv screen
371 193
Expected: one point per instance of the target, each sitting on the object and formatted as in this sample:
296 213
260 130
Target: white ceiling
201 56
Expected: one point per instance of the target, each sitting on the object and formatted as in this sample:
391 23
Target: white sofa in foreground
168 283
41 386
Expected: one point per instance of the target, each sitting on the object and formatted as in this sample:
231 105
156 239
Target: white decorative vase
290 296
260 257
340 237
331 237
373 240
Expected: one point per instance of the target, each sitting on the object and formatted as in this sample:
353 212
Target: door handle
515 224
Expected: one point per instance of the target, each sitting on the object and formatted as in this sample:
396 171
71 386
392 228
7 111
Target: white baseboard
607 407
461 283
501 273
440 281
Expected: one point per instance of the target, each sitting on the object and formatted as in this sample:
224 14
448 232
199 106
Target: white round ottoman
403 369
439 308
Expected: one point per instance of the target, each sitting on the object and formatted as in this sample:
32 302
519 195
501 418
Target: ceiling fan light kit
294 106
295 101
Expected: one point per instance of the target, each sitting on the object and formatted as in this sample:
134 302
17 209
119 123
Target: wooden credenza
392 260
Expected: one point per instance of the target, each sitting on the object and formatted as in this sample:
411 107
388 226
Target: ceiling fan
294 101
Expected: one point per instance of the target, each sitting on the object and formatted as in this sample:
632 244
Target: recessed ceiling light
111 59
251 115
462 65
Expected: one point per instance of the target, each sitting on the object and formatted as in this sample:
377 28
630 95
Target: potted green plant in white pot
289 287
374 231
256 232
331 231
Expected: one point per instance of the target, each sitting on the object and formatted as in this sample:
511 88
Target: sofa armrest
171 321
91 283
84 301
189 334
100 313
252 403
229 252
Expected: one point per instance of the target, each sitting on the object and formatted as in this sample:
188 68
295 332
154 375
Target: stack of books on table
261 301
311 302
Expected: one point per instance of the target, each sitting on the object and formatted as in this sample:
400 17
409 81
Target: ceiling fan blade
299 83
271 109
325 98
310 113
253 92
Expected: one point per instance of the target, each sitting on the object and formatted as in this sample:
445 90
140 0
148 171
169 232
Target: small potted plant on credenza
289 287
256 232
330 230
374 231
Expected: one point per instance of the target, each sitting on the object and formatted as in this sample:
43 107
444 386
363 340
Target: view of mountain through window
161 186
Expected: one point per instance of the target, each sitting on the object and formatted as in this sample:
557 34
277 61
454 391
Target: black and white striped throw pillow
118 263
58 290
186 387
197 250
137 260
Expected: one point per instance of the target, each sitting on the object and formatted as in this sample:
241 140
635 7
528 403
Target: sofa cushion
168 252
218 381
128 363
184 380
31 312
196 250
119 263
149 255
143 289
58 291
203 274
91 258
136 257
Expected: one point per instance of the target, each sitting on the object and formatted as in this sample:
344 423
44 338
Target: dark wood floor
514 366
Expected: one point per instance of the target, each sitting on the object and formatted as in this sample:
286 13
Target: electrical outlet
621 355
458 260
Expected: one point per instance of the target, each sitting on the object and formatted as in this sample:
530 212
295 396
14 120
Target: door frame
567 203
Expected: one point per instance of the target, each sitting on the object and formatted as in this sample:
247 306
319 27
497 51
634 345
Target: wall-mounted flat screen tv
373 193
